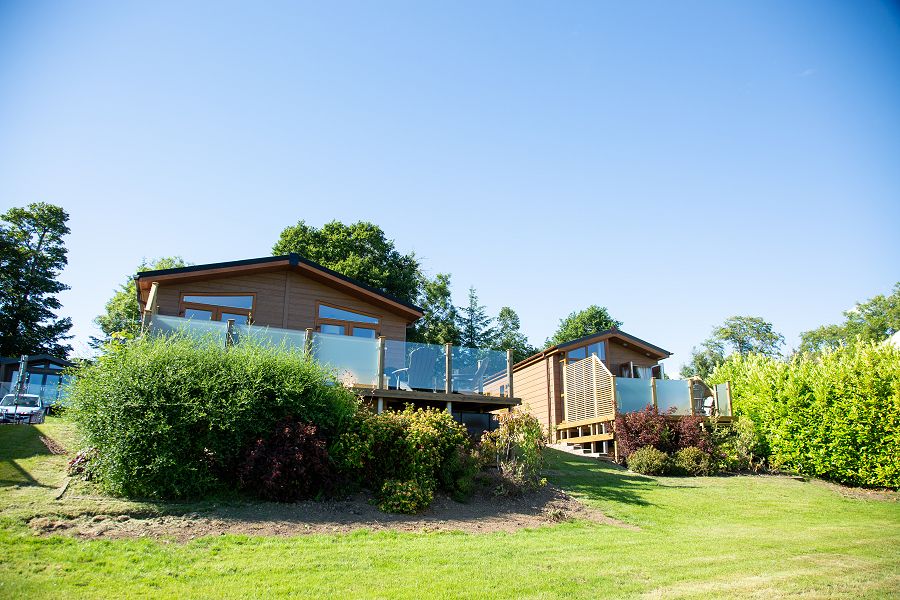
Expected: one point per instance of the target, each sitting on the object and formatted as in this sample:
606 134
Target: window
598 349
335 320
218 307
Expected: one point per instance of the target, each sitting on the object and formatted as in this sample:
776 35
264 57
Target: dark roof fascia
39 357
293 259
600 334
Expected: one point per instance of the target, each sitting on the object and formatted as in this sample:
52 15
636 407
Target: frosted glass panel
632 395
288 339
723 395
202 330
673 393
355 359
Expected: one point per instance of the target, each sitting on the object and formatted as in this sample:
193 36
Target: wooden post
509 374
152 306
229 333
728 387
691 397
448 367
653 392
380 408
379 377
565 396
449 407
308 342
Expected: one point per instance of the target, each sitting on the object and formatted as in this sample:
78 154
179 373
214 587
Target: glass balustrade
213 331
633 395
723 398
412 366
355 359
477 371
288 339
673 394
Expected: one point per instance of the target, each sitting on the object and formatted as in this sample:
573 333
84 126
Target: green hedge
834 415
171 417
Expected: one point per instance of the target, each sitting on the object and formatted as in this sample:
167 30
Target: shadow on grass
18 442
597 480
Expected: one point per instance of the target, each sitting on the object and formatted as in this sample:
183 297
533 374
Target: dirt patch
53 446
483 514
858 493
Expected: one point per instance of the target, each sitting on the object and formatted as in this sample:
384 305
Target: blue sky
676 162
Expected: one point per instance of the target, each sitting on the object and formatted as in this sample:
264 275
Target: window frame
217 309
604 360
347 325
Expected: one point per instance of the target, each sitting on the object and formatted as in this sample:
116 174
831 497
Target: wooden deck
467 402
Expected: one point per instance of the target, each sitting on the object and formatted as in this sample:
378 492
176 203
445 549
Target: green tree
475 324
359 250
32 255
583 323
874 320
704 360
509 336
749 335
439 325
122 313
737 335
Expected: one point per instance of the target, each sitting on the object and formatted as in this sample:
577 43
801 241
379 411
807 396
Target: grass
756 537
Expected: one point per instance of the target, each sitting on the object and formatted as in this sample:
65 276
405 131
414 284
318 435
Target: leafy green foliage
475 324
122 313
32 255
360 250
509 336
741 335
440 322
517 449
583 323
650 461
407 455
692 461
834 415
170 418
875 319
739 447
289 465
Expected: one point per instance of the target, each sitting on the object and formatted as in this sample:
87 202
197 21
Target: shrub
289 465
834 415
692 461
644 428
738 447
649 461
406 497
517 449
421 446
693 432
170 417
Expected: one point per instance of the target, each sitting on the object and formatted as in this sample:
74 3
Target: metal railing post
379 378
448 369
509 374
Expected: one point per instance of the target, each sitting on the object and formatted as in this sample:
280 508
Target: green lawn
759 537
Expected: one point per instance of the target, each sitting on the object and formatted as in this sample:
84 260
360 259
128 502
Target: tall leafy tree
583 323
475 324
510 337
32 255
122 313
439 325
876 319
747 335
737 335
360 250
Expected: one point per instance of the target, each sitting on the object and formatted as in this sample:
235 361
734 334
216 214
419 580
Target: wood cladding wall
283 299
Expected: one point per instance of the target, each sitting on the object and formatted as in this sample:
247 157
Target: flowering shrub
406 497
647 427
81 464
517 449
418 450
290 465
692 461
649 461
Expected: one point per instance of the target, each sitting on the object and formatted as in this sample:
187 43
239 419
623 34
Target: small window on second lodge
340 321
217 308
